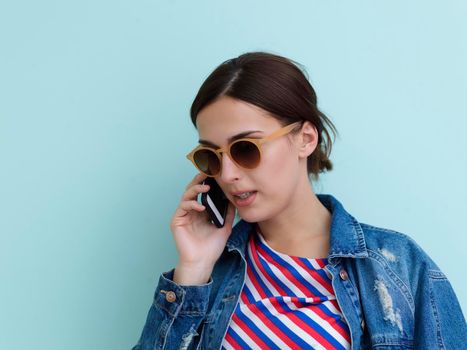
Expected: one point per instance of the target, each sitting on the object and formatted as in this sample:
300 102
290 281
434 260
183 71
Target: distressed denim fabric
392 295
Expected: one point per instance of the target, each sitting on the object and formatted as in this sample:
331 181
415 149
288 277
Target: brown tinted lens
207 161
245 153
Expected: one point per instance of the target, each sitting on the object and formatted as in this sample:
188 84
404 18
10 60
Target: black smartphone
215 201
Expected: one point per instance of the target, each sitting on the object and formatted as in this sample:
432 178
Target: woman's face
275 179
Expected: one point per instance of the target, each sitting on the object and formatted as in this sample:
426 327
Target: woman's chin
249 215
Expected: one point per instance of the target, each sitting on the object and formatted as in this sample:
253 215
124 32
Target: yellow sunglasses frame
258 142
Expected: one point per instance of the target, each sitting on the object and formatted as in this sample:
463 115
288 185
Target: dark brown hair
276 84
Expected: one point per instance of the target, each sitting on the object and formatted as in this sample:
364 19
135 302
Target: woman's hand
199 242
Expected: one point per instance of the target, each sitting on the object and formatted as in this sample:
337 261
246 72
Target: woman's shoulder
377 235
395 248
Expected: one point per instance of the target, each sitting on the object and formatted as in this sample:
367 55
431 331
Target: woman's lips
239 202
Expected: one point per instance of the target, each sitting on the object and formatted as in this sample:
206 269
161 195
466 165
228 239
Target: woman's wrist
192 274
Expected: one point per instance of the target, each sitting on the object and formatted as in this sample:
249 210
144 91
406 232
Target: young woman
297 271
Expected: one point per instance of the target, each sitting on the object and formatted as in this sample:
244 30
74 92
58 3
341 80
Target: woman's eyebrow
233 138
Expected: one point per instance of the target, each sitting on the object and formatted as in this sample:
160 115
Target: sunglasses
245 153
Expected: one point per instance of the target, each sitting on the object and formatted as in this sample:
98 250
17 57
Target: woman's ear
307 139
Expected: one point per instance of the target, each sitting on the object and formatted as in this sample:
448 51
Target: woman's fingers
188 201
192 192
191 205
196 180
186 206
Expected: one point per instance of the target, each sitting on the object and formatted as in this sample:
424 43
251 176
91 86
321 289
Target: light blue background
94 128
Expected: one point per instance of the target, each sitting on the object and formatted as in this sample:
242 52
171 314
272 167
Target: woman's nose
229 170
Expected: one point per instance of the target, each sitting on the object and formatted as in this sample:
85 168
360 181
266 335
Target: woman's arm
439 322
174 319
180 304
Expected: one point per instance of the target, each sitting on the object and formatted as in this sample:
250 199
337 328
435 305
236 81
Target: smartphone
215 201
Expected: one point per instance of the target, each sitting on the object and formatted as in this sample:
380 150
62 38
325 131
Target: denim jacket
392 295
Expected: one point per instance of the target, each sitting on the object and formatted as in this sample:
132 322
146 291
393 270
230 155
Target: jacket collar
347 238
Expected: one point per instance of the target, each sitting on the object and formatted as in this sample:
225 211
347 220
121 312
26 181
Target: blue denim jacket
392 295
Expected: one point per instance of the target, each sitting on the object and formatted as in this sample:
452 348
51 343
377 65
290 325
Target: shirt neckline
320 261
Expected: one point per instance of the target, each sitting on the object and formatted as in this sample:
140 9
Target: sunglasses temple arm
280 132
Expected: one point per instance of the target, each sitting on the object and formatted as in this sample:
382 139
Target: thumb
229 218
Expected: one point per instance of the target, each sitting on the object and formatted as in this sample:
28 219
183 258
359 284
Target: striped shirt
287 302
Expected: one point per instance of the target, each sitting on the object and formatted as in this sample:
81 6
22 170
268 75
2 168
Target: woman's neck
302 229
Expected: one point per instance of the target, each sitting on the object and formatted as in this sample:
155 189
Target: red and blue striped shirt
287 302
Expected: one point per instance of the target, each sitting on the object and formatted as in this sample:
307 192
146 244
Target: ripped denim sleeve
176 315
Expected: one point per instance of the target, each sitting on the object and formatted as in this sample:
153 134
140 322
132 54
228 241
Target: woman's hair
277 85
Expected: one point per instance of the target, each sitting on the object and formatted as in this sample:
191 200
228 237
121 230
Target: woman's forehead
228 116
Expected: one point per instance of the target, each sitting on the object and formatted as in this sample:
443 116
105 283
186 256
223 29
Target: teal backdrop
94 128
